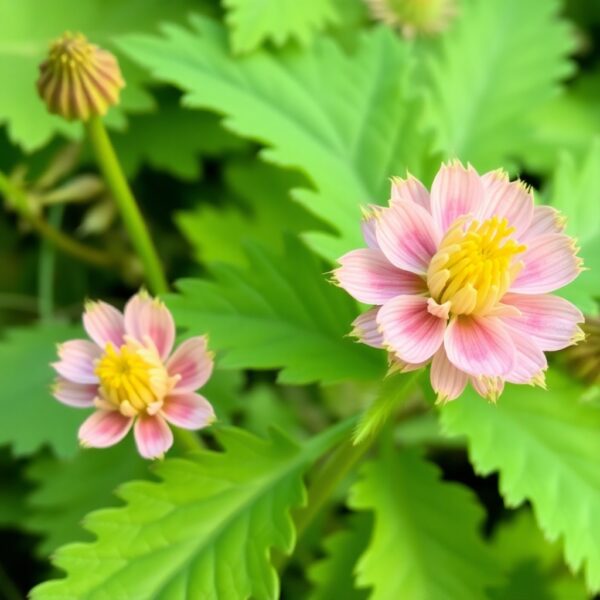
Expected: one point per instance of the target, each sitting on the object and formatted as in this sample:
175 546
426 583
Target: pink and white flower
461 278
130 374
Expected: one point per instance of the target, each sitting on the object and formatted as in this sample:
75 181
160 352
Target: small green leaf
425 543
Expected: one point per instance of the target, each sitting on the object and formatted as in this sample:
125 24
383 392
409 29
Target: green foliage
545 445
14 491
29 416
254 21
342 120
425 543
500 62
278 313
26 29
66 490
204 530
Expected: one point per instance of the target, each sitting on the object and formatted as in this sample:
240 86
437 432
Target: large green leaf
345 121
278 313
254 21
205 530
425 543
26 29
29 416
499 63
545 445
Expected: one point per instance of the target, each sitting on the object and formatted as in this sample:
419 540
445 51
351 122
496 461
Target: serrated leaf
66 490
501 60
29 416
252 22
425 543
279 313
346 121
545 445
204 530
26 29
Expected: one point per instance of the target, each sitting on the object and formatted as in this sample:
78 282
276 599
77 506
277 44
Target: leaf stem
125 201
46 268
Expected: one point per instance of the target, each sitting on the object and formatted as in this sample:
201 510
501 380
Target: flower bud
583 360
79 80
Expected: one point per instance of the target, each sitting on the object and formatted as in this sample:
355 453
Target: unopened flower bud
79 80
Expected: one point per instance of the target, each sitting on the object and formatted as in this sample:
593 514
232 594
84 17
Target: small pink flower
461 277
130 375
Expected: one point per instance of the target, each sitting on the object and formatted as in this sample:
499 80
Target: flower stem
130 212
46 269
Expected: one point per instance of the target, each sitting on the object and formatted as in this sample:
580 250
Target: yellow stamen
474 266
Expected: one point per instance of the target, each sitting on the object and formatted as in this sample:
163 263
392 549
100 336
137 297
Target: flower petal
410 189
455 192
551 322
153 436
365 329
190 411
480 346
79 395
507 199
409 330
368 276
407 236
77 359
545 220
551 262
447 381
104 323
104 428
193 363
530 362
367 226
489 388
149 317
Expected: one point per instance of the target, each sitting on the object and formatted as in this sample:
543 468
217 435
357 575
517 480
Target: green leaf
252 22
66 490
545 445
343 120
29 416
26 29
14 491
425 544
205 530
499 63
331 575
279 313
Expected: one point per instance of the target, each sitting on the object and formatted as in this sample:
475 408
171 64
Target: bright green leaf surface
281 312
425 543
545 445
204 531
254 21
343 120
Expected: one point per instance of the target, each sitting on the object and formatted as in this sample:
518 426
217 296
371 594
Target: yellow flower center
474 268
133 378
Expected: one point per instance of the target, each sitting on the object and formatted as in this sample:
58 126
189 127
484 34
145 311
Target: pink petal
368 276
77 358
480 346
409 330
193 363
551 262
190 411
397 365
550 321
153 436
455 192
447 381
367 226
489 388
104 428
79 395
545 220
407 236
530 360
104 323
507 199
410 189
149 317
365 329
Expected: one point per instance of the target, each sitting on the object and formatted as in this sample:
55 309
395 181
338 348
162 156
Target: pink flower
461 277
130 375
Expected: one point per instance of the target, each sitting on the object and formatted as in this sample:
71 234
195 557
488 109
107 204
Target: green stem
46 269
130 212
